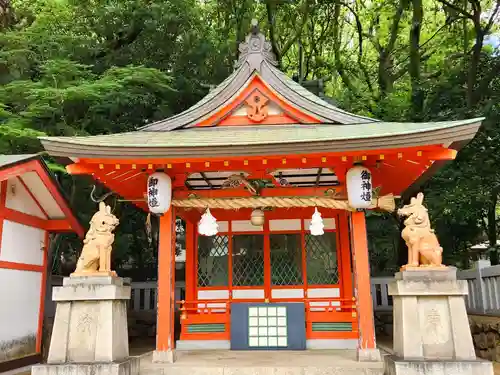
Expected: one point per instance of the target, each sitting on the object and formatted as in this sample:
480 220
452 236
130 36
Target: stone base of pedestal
369 355
430 319
127 367
397 366
90 325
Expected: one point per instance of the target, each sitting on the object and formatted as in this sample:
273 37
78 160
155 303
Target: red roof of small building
31 175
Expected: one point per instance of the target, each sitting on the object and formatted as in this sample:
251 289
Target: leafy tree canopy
74 67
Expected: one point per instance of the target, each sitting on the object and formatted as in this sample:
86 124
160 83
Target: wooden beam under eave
266 192
191 215
49 184
443 154
332 157
51 225
61 225
76 168
18 169
126 190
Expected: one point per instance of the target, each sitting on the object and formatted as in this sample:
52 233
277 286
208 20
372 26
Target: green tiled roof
264 139
257 135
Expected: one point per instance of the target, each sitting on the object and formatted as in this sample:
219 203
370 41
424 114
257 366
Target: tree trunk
465 30
402 248
46 334
492 226
271 20
417 94
384 73
336 48
385 67
7 18
473 67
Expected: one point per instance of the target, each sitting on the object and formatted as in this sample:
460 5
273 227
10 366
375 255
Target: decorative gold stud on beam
323 159
400 155
207 164
363 157
150 166
264 161
226 163
283 161
245 162
134 166
188 165
117 166
169 166
304 160
344 158
101 166
381 156
419 153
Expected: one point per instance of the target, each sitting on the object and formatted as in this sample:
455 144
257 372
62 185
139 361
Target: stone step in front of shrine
208 362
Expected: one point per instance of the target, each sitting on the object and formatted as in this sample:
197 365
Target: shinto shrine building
263 153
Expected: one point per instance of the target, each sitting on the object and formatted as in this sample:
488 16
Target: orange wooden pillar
190 260
367 350
165 342
345 255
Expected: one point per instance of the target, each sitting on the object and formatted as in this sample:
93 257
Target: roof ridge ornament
255 49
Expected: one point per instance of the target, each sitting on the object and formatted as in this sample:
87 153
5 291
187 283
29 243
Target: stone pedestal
90 334
431 329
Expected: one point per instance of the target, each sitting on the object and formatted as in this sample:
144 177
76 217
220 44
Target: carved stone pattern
85 323
435 329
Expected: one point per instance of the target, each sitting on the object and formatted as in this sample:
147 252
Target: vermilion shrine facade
259 144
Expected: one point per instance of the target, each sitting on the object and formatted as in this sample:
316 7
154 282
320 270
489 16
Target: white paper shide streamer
317 227
208 224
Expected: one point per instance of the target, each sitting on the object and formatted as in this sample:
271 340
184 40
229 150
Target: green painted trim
202 328
332 327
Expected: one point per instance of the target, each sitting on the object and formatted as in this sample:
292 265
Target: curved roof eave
263 140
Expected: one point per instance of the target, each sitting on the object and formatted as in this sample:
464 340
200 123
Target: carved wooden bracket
257 106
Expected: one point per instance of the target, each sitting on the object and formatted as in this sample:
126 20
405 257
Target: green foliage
77 67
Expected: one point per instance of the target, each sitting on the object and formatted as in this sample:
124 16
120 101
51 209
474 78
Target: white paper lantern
159 192
317 227
359 187
208 224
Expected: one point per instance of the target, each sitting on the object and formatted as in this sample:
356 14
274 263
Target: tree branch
298 30
489 25
272 31
395 26
359 28
459 10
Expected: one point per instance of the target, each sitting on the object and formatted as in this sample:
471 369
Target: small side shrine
31 207
273 183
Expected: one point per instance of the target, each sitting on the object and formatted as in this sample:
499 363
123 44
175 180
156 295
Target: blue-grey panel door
268 326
